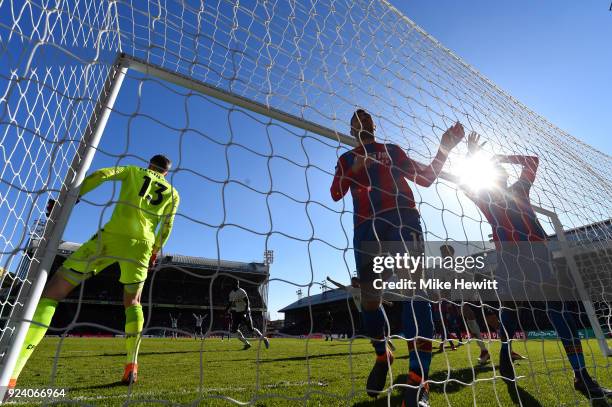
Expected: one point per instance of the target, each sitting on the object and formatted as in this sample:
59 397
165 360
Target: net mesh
250 183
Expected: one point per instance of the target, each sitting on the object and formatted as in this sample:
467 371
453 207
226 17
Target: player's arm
425 175
95 179
342 179
164 230
529 164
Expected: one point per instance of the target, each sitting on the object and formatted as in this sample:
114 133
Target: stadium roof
601 230
179 260
325 297
201 262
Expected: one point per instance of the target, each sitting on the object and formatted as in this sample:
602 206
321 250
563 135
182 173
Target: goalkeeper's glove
50 205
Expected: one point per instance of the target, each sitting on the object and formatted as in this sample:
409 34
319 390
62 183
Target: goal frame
45 253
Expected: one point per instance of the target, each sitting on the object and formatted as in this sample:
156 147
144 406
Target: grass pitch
294 372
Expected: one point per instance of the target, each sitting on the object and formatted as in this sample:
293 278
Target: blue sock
374 327
418 321
508 324
567 330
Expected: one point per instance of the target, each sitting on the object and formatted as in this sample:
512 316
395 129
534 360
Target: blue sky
554 56
248 184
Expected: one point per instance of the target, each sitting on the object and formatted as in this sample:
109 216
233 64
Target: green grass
333 373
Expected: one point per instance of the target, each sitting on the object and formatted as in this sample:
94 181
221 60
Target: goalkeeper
140 225
385 210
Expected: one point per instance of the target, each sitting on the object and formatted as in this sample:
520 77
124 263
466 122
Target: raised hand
452 136
473 143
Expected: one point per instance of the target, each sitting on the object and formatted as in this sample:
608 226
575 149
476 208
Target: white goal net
252 101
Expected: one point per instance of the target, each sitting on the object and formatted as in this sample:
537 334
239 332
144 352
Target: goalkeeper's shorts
105 249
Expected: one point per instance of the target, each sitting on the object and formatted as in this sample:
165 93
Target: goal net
252 102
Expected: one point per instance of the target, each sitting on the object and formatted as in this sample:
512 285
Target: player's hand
452 136
473 143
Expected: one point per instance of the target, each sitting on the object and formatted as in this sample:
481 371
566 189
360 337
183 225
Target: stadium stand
179 284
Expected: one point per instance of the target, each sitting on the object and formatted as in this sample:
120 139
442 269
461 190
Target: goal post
46 247
585 298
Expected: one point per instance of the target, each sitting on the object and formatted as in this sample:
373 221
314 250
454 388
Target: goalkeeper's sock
567 330
374 327
43 316
134 321
475 332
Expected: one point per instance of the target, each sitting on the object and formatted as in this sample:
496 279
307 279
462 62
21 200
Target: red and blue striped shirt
378 187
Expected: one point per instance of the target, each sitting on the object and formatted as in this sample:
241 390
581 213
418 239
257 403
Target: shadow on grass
107 354
521 397
102 386
323 355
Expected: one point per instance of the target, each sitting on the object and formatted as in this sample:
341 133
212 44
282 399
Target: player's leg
565 324
77 268
435 313
374 325
419 331
474 330
365 243
134 321
448 326
417 317
507 268
507 328
458 330
134 265
237 320
58 287
249 323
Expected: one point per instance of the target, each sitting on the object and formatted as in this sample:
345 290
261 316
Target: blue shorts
377 235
